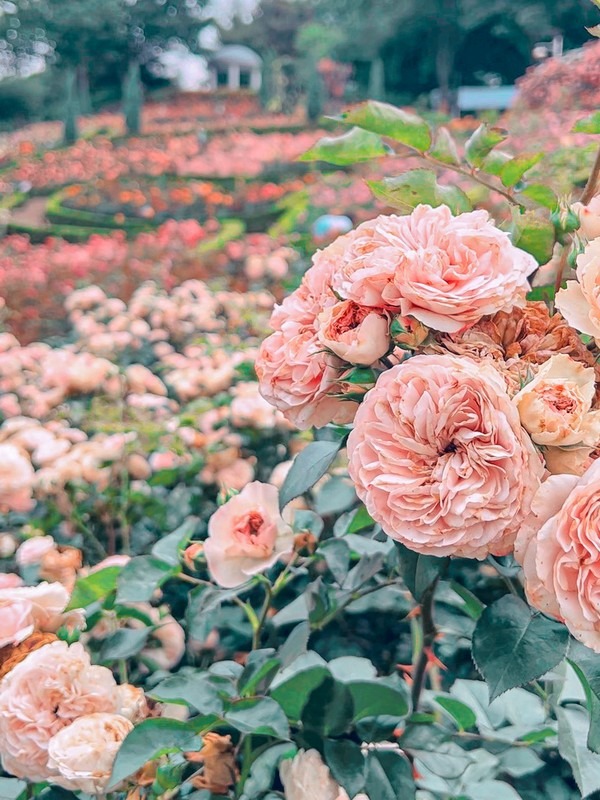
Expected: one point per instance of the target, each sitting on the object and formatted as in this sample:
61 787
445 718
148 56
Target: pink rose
247 535
10 580
445 271
579 303
235 475
33 550
589 217
16 478
49 689
559 550
440 459
356 334
81 756
24 609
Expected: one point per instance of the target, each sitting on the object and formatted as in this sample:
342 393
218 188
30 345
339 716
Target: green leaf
512 644
295 644
495 161
535 235
261 667
258 715
543 293
376 698
203 602
141 577
463 716
387 120
405 192
124 643
194 688
573 726
513 170
169 548
337 557
295 684
419 572
355 145
149 740
473 606
388 776
94 587
309 465
329 709
361 520
347 764
262 771
12 788
542 195
444 147
482 142
585 663
589 124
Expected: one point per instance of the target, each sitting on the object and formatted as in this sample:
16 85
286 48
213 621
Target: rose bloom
24 609
307 777
555 406
45 692
247 535
10 580
445 271
440 459
589 217
131 703
33 550
579 303
355 333
559 550
16 478
81 756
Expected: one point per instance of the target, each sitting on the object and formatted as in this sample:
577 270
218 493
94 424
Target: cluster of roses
474 395
62 719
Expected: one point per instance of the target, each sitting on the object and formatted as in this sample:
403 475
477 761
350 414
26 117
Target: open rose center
561 399
252 533
350 316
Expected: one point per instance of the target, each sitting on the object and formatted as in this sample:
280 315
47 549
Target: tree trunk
447 46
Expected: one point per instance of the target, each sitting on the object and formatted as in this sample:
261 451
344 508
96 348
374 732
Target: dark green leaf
141 577
169 548
309 465
261 667
387 120
296 683
259 715
367 568
482 142
419 572
149 740
295 645
195 688
513 644
513 170
388 776
336 495
463 716
347 764
361 520
262 771
94 587
376 698
202 605
337 556
573 724
472 604
124 643
444 147
585 663
355 145
535 235
329 709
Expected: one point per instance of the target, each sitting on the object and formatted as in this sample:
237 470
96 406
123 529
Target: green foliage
394 123
310 465
133 99
349 148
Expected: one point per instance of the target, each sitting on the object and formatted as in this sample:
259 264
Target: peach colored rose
10 580
33 550
246 535
568 460
579 303
27 608
555 406
140 380
49 689
307 777
16 478
249 409
235 475
81 756
131 703
559 550
355 333
589 217
445 271
8 546
440 459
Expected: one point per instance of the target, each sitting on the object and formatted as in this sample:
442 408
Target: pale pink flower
559 550
163 460
141 380
235 475
131 703
10 580
28 608
16 478
445 271
247 535
48 690
33 550
589 217
355 333
440 459
81 755
579 303
555 407
307 777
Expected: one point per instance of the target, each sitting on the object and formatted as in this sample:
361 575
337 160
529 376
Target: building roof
237 54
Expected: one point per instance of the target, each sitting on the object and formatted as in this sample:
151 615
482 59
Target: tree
70 133
133 98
